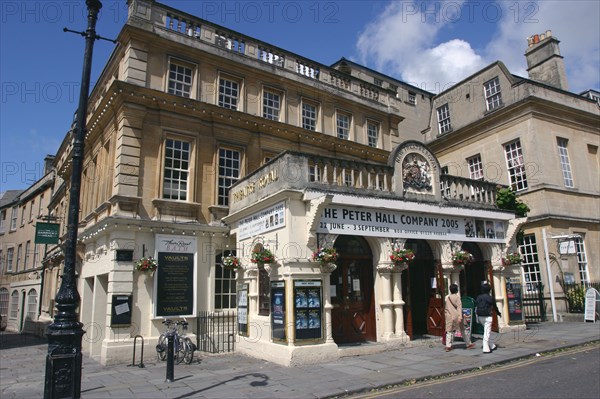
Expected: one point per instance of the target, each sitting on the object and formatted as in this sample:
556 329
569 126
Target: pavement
233 375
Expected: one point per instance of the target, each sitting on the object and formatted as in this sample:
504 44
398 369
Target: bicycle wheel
179 350
161 347
189 351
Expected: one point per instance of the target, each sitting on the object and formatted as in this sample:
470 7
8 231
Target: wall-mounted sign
242 309
567 247
278 325
124 255
46 233
395 224
308 309
266 220
175 284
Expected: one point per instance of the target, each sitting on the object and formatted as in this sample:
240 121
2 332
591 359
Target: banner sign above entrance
266 220
386 223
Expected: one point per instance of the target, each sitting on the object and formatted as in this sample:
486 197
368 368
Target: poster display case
242 309
278 314
308 309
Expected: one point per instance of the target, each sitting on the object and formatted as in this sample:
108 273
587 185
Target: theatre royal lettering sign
387 223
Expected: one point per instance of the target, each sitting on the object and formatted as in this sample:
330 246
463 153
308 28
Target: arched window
225 294
14 304
32 301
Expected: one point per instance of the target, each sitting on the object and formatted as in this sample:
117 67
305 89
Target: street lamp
63 361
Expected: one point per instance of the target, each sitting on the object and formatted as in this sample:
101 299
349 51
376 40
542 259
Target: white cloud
411 45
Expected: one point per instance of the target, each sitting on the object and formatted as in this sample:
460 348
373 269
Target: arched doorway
474 274
353 313
416 287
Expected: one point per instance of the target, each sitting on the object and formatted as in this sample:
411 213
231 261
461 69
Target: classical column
399 301
326 270
387 301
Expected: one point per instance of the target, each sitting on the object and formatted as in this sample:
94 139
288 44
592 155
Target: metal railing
575 295
534 304
216 331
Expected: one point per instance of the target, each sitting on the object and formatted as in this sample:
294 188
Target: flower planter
327 267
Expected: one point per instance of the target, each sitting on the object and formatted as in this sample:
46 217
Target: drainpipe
549 272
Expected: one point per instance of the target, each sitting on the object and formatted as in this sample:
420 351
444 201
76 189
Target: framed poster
308 311
515 299
242 309
278 324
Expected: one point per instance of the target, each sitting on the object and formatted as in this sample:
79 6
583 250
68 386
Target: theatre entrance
353 313
474 274
417 288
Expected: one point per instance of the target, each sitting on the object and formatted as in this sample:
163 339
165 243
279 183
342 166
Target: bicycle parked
183 347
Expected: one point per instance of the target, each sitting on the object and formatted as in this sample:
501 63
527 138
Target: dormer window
443 114
493 96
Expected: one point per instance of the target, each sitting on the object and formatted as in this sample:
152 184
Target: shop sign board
400 224
46 233
174 282
261 222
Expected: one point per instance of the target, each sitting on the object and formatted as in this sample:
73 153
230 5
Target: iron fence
216 331
534 305
575 295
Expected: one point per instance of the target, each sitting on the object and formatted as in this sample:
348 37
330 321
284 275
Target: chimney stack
544 62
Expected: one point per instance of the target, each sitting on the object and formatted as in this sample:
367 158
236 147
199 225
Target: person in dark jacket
483 307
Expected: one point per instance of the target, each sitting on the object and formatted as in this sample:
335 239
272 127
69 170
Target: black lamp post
63 362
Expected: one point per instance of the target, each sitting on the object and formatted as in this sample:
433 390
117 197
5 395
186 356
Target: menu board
242 309
515 299
308 309
278 311
175 284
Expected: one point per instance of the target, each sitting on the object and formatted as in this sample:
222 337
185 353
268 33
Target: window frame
14 305
191 86
223 197
10 255
342 114
269 110
2 221
377 126
19 256
26 257
530 263
222 95
492 91
13 218
516 172
223 275
582 262
4 301
565 163
32 304
475 167
412 98
444 121
303 116
188 182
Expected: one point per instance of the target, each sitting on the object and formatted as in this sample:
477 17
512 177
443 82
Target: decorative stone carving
416 172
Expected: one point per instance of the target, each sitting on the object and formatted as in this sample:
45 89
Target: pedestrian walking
453 317
483 308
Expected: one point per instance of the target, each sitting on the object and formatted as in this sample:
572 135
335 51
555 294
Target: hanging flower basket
400 256
262 256
231 262
146 265
461 258
325 255
511 258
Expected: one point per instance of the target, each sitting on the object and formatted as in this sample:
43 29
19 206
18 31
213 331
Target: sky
429 44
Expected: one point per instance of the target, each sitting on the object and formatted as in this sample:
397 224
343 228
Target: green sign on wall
46 233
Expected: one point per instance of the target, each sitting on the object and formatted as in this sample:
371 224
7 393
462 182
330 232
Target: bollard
170 356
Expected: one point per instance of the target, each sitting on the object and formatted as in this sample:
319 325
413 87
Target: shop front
301 307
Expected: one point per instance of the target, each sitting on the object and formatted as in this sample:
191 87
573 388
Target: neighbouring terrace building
203 143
